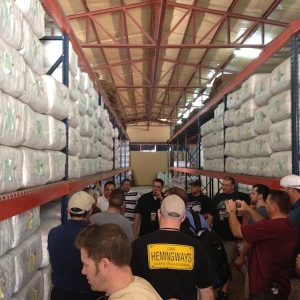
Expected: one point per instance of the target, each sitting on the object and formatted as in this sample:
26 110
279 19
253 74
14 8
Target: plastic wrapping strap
5 9
261 142
32 262
83 102
75 139
74 110
277 106
248 147
280 166
261 88
39 125
261 166
60 134
36 7
248 164
74 166
38 87
277 136
247 129
63 96
36 46
39 167
2 285
82 125
59 164
83 168
7 170
35 294
9 122
279 75
8 62
29 220
261 116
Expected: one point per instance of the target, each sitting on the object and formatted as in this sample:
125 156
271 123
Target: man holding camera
218 216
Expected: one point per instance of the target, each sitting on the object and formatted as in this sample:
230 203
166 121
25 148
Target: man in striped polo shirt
131 200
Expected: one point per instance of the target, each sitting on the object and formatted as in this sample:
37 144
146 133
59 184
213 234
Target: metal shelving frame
289 35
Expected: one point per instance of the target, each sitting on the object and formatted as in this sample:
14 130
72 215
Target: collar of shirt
296 205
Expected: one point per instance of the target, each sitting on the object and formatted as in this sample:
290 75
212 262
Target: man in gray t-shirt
116 200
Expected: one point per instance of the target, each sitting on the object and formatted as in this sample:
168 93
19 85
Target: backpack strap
196 221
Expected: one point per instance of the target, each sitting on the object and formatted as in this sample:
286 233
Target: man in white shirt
131 200
102 201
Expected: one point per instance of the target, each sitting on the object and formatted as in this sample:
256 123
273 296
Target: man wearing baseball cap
68 281
176 265
291 184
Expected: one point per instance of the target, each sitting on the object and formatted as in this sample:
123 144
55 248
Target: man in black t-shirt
218 219
197 201
177 265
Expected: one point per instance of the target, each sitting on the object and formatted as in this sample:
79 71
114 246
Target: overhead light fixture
247 52
164 120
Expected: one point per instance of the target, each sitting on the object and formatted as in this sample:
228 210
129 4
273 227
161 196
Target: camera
238 205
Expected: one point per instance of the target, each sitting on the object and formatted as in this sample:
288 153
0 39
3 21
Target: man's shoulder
132 193
146 196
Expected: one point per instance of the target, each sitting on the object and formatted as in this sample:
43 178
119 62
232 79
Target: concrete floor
237 285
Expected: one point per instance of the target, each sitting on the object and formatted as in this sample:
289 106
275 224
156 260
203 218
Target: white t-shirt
102 203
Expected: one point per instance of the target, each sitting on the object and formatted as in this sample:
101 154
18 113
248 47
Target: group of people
148 256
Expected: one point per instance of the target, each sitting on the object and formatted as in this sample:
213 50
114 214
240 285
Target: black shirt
200 203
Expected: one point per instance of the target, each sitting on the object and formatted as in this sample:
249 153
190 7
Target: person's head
109 186
177 191
116 198
171 212
259 192
126 185
103 248
228 184
91 192
80 205
278 201
157 185
196 187
291 185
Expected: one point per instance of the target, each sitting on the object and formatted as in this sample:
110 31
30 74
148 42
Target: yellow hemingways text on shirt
170 256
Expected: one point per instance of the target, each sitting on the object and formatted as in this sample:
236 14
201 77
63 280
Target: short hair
109 182
158 180
89 191
282 199
116 198
229 178
105 241
262 190
179 192
124 180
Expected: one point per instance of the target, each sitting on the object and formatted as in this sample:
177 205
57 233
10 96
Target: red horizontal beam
272 183
168 87
272 48
172 46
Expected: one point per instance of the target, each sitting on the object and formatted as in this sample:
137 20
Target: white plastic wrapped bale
57 134
34 13
51 210
248 149
12 71
91 166
219 138
218 165
208 140
46 273
280 106
229 149
36 130
35 95
73 82
94 97
247 110
262 145
53 50
11 24
11 176
87 83
219 111
237 150
13 114
262 92
230 163
80 78
263 166
218 152
73 115
247 131
237 118
24 225
74 145
82 103
84 147
7 278
207 127
248 166
73 167
281 77
262 121
207 153
219 124
82 126
229 117
43 231
90 107
237 134
27 259
57 162
32 50
36 168
34 289
95 149
99 114
90 151
281 164
248 86
89 126
233 100
58 98
229 134
83 167
281 135
6 237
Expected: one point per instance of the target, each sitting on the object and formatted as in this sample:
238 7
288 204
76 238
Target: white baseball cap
292 181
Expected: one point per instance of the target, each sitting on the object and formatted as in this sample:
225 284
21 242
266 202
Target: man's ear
105 263
183 218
